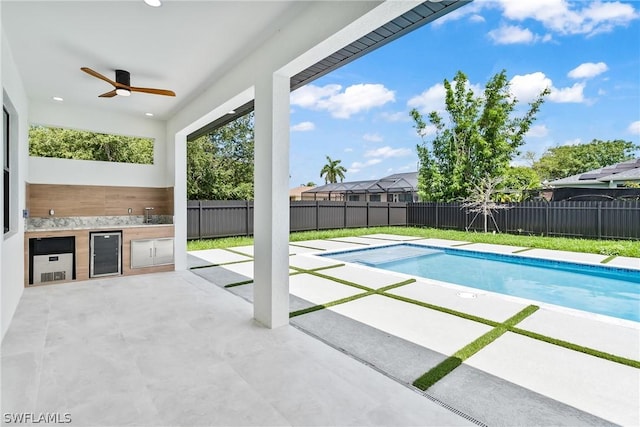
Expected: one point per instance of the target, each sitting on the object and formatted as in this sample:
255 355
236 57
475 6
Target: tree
83 145
478 141
309 184
515 181
220 164
332 171
480 201
566 160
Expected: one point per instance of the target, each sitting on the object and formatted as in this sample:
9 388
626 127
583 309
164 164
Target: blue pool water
603 290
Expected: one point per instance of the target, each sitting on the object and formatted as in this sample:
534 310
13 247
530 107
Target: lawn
628 248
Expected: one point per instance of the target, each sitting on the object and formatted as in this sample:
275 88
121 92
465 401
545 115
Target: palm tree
332 171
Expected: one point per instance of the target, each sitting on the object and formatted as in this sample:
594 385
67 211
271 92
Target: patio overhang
217 56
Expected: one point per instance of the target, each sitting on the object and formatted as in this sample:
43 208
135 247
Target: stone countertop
95 223
114 227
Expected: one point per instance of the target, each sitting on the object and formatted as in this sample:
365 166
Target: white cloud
476 18
309 95
470 10
429 130
563 17
528 86
386 152
431 99
574 94
348 150
538 131
358 166
588 70
400 116
354 99
373 137
511 34
634 128
303 127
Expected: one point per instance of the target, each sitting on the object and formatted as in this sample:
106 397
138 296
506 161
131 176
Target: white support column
180 200
271 206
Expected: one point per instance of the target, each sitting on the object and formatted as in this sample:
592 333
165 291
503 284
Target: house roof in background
624 171
400 182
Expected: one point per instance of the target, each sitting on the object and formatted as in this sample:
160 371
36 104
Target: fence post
200 219
599 220
246 222
437 226
546 226
388 214
367 214
317 215
345 215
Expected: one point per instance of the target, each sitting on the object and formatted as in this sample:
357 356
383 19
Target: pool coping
468 289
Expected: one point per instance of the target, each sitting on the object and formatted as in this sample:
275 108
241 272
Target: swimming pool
597 289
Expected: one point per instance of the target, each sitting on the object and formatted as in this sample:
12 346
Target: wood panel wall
90 200
82 249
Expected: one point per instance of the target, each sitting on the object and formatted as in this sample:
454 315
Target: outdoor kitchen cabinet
150 252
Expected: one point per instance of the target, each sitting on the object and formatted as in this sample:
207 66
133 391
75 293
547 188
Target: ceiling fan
122 85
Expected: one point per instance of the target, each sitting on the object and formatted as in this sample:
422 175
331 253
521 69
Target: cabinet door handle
150 253
155 252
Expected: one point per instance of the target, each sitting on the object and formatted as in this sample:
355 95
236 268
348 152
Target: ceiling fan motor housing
123 77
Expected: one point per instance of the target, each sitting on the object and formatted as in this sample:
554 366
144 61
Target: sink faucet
147 215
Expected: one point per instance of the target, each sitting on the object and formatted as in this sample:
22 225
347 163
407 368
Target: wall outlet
130 211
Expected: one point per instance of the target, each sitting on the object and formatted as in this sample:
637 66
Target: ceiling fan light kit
122 85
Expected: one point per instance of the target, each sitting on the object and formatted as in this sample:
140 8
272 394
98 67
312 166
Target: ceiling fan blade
98 75
153 91
109 94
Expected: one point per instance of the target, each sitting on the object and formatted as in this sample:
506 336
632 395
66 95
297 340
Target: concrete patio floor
172 349
180 349
516 380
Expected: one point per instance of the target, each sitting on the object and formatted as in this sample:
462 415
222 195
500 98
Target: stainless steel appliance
51 268
51 259
106 258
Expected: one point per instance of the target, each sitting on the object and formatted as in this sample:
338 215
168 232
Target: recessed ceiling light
232 112
148 114
57 98
153 3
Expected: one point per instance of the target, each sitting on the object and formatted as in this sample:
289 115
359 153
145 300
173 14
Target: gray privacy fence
209 219
597 220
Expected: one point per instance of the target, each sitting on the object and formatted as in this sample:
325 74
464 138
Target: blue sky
587 52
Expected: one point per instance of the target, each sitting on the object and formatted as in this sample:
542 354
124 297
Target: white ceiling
181 46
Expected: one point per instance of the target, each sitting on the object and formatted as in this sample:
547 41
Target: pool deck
180 349
376 317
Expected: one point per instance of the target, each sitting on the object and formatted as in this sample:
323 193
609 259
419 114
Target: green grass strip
342 281
327 267
245 282
441 309
329 304
579 348
396 285
233 251
306 247
519 251
449 364
221 264
607 259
